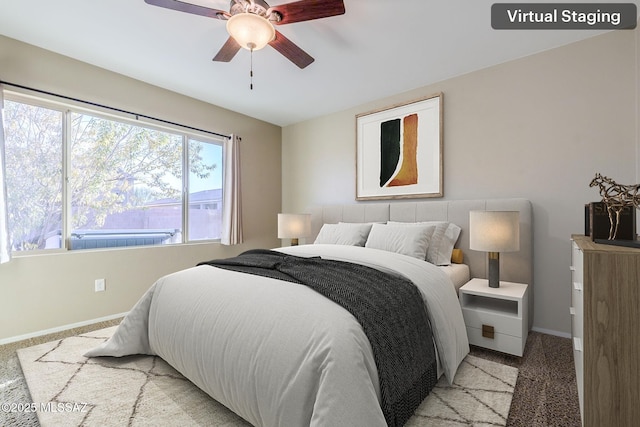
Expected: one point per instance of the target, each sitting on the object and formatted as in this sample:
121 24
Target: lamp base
494 269
294 241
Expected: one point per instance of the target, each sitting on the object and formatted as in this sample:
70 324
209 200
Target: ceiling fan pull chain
251 71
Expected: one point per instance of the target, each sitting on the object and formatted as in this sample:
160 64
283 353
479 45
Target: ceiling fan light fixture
251 31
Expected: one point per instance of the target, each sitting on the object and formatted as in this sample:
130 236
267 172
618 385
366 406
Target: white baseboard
60 328
551 332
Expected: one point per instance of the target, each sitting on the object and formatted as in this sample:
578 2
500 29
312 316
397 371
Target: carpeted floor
545 393
144 391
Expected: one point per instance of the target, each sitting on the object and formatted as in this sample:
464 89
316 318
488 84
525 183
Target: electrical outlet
100 285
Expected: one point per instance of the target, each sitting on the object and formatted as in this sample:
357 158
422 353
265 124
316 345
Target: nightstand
496 318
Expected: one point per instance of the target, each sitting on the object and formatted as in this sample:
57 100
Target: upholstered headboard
514 266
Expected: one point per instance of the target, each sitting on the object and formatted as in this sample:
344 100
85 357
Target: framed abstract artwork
399 151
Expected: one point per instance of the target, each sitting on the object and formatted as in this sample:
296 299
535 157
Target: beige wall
50 291
539 127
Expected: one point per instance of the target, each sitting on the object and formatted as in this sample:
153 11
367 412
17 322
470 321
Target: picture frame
399 151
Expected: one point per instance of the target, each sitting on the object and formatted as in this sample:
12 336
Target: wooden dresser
605 308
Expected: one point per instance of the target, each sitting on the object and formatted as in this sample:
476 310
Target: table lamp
494 232
293 226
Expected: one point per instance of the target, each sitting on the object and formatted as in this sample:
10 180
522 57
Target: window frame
68 107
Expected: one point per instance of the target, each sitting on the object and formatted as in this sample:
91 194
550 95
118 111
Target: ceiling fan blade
291 51
306 10
188 7
228 51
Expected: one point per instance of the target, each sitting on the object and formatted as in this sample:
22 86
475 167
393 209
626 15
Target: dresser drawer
576 263
577 330
577 311
502 324
578 359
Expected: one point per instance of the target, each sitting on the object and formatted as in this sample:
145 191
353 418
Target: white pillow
403 239
446 245
343 234
442 243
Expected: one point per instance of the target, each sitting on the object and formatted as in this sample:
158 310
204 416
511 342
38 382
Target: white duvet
278 353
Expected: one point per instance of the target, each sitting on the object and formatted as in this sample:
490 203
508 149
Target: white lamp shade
251 31
293 226
494 231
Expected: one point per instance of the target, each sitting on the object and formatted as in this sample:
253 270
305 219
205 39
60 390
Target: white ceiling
376 49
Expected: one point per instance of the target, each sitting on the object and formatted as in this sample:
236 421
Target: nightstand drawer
502 324
500 342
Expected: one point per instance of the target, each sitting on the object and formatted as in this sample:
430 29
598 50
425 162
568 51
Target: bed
278 353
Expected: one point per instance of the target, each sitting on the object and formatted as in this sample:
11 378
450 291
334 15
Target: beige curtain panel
231 196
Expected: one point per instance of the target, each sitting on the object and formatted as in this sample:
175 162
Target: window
205 190
33 149
82 180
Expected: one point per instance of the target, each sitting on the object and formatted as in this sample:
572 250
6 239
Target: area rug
68 389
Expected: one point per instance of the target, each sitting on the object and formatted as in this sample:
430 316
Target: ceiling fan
250 24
